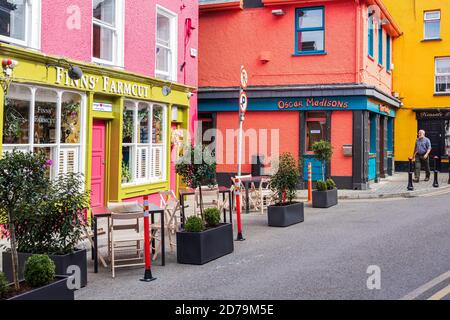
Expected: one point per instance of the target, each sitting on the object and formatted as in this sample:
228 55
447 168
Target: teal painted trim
390 134
297 29
372 168
316 167
380 45
310 53
388 52
370 36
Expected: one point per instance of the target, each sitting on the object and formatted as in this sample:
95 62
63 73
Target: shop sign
107 85
437 114
102 107
384 109
313 102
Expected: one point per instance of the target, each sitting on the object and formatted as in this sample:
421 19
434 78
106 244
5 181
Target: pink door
98 164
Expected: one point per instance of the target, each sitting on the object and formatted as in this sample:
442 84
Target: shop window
20 22
442 75
315 129
310 30
108 31
52 124
432 25
166 45
370 35
143 143
447 136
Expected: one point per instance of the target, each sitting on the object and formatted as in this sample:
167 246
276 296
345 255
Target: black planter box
324 199
57 290
285 215
202 247
77 258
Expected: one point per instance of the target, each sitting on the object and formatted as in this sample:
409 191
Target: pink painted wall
341 134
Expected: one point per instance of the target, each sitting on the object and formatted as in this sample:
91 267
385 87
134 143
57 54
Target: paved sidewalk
392 187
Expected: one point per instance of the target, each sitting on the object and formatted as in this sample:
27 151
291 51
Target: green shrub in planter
322 185
39 270
194 224
3 285
212 217
330 184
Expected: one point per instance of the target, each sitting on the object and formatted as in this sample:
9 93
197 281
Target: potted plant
326 194
126 173
284 182
40 283
202 241
43 216
12 130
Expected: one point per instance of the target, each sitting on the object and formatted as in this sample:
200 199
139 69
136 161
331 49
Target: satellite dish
75 73
166 90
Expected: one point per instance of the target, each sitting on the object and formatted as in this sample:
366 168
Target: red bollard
148 272
238 209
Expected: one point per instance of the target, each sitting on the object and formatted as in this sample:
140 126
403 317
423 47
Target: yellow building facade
422 75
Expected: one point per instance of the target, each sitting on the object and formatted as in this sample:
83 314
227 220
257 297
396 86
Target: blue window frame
388 52
370 36
380 45
310 30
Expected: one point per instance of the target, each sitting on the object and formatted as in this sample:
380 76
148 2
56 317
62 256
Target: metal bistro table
222 190
246 182
102 212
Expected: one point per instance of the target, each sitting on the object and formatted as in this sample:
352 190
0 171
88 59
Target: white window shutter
157 162
68 160
142 160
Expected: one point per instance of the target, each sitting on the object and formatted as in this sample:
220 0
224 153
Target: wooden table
102 212
246 182
222 190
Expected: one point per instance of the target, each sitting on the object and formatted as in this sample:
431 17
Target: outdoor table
222 190
102 212
246 182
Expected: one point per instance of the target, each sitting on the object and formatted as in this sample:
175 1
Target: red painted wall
233 37
286 122
341 133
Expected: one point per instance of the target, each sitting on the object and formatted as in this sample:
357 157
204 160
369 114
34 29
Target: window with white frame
166 45
44 120
108 24
432 25
442 75
144 142
20 22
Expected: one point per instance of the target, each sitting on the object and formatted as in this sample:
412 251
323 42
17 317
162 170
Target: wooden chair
172 219
210 196
121 239
251 192
264 195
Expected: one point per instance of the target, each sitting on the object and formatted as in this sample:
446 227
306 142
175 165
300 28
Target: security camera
190 94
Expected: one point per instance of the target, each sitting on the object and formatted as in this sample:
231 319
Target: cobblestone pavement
391 187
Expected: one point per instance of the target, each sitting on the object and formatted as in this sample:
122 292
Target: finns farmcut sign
313 102
104 83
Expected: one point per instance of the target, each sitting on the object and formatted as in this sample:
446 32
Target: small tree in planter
204 240
48 219
326 194
284 183
197 167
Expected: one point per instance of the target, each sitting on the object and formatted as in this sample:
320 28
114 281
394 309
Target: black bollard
449 168
436 181
410 175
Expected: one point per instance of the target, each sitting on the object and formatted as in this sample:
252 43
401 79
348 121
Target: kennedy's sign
433 114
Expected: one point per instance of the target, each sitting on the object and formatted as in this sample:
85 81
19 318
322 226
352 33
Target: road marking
437 193
427 286
440 294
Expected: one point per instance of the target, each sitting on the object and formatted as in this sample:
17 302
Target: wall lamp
74 72
278 12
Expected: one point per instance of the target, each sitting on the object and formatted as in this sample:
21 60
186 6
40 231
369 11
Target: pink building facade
139 61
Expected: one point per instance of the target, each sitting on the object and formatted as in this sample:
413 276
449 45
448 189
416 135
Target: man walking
421 156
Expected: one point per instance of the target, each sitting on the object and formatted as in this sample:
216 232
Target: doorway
98 163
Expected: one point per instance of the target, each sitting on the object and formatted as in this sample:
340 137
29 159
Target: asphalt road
326 257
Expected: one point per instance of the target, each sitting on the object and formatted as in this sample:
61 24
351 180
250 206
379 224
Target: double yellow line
428 286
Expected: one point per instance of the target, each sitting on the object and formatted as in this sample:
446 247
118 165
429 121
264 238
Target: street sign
243 101
244 78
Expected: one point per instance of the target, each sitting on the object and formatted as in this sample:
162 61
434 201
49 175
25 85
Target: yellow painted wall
414 66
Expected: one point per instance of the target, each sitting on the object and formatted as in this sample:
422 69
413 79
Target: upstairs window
442 75
107 32
370 36
380 45
388 52
310 30
20 22
166 45
432 25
